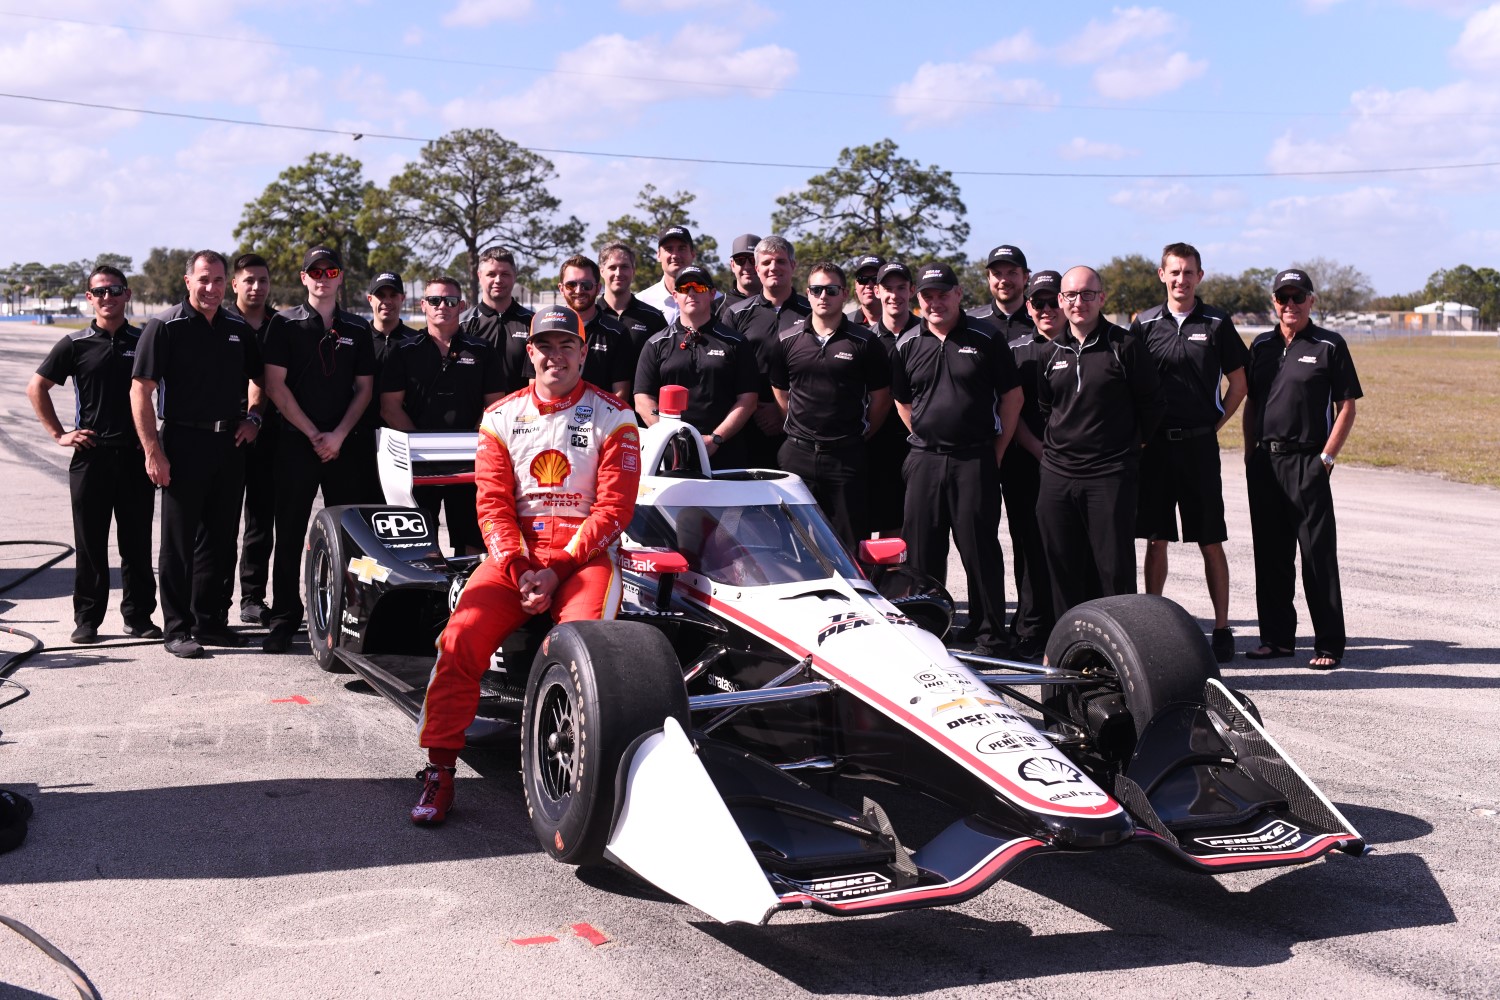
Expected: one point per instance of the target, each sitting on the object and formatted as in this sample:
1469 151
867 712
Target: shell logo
550 468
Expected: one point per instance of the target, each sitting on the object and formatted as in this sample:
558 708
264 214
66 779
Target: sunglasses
105 291
451 301
821 290
867 279
1086 295
580 286
1041 303
1296 296
693 287
319 273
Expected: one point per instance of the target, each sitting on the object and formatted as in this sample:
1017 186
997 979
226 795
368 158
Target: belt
965 451
1290 448
840 445
217 426
1187 433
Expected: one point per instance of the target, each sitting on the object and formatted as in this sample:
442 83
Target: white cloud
1020 47
412 36
1478 45
479 13
947 92
1206 206
1359 221
1079 148
1127 29
1147 75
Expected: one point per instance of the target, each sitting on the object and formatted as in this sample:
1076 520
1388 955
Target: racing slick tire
1148 652
595 687
323 576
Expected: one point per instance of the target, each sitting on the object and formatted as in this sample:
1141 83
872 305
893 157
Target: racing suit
557 484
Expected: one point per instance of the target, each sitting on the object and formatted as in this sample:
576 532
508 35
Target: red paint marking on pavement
295 699
590 935
543 939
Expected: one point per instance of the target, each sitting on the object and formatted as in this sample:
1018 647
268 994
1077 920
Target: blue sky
1270 87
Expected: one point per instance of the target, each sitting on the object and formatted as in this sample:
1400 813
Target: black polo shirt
99 363
732 297
828 383
760 322
442 392
640 322
1294 386
321 362
506 332
953 385
1100 400
385 345
1192 359
715 364
200 365
1028 351
1019 324
610 357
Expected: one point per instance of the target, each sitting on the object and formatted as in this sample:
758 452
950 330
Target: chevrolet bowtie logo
366 569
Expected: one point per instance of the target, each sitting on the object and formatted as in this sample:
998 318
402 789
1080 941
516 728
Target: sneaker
437 795
279 641
218 636
143 630
84 634
255 613
184 646
1223 644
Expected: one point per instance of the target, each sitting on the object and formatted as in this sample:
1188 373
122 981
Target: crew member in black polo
1201 359
760 319
1100 396
1298 415
610 360
201 357
955 388
742 268
1006 310
250 280
715 364
498 319
442 382
320 366
106 476
888 448
387 298
865 310
1021 471
640 321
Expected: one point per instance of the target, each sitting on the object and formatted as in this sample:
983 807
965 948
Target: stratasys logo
550 468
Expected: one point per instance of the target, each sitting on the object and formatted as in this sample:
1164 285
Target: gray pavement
235 826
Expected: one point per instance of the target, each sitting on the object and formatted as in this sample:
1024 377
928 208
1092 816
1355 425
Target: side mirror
666 563
882 551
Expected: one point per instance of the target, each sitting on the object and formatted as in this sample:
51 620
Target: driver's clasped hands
537 586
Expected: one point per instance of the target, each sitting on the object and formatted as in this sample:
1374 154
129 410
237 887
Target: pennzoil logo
550 468
843 623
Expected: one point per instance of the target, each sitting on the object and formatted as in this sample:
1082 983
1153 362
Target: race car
742 734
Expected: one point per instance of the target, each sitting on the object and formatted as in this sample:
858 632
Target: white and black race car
744 733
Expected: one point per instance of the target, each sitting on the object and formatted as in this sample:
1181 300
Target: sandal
1268 653
1318 654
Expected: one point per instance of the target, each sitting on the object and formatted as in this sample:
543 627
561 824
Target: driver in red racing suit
557 469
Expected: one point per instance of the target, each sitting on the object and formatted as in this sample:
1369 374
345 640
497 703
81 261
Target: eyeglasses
821 290
868 279
319 273
451 301
1041 303
1296 296
693 287
1086 295
104 291
580 286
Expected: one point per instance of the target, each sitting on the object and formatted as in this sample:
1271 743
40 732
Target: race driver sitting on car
557 468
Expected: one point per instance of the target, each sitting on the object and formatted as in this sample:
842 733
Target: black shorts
1181 475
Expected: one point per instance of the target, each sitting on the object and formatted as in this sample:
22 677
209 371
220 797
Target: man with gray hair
761 319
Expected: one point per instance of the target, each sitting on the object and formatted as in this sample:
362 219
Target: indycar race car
742 735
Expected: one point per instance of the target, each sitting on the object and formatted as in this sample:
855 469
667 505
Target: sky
1366 88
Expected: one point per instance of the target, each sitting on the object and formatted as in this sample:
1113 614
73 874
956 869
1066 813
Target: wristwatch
717 439
1327 460
254 418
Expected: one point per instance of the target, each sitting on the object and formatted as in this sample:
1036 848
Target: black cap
556 319
936 276
317 254
895 268
386 279
694 272
1045 282
744 244
869 262
1292 278
675 233
1006 254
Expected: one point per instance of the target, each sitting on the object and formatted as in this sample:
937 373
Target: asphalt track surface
236 826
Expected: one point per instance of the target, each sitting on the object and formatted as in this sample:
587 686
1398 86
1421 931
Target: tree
467 190
1131 284
313 203
1248 292
1341 288
1468 286
640 231
118 260
160 279
875 202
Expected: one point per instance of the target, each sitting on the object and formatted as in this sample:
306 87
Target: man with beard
1006 310
742 268
251 284
609 364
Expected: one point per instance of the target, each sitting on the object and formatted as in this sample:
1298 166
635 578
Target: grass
1431 404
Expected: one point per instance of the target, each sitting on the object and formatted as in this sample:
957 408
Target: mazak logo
399 525
550 468
843 623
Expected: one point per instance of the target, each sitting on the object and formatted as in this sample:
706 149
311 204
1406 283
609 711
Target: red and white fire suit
557 485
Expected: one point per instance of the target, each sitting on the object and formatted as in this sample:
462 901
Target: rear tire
595 687
323 578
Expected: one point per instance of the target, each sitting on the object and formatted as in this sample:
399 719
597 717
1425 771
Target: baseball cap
936 276
675 233
744 244
1292 278
1049 282
694 272
317 254
556 319
1006 254
869 262
894 268
386 279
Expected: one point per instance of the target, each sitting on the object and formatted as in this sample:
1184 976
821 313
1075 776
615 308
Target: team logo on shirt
346 341
716 353
844 356
1309 359
550 468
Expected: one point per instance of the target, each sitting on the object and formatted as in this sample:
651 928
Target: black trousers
299 476
886 505
959 493
1020 481
462 502
111 483
835 475
208 482
359 448
761 449
260 513
1291 508
1087 529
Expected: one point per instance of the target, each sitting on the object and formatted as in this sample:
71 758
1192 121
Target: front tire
595 687
323 578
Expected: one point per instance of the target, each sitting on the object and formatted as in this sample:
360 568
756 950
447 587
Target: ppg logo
399 525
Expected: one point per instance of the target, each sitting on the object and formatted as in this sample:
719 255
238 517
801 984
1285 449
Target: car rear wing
408 459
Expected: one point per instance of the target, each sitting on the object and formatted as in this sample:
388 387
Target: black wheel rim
322 595
556 742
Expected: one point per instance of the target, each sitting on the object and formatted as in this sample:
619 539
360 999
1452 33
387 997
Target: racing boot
437 795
